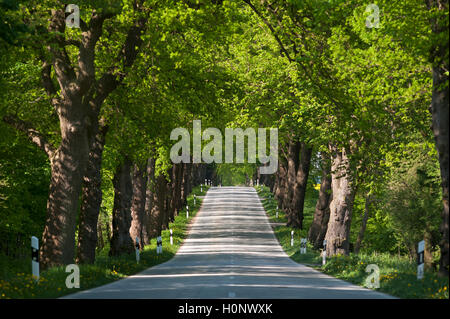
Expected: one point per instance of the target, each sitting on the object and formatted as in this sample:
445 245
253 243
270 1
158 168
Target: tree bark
281 184
157 214
341 206
91 200
121 242
138 204
301 181
67 170
149 193
362 229
293 157
440 117
319 226
100 240
428 254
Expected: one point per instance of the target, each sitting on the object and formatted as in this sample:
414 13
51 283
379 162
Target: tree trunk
440 120
157 214
100 241
428 254
138 204
149 193
293 155
440 115
68 167
301 181
121 242
176 190
91 200
363 225
341 206
280 192
319 226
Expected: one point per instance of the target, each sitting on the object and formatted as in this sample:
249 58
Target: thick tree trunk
121 242
100 240
280 192
68 167
440 116
319 226
362 229
157 214
341 206
138 204
428 252
149 193
179 198
176 190
293 156
301 181
91 200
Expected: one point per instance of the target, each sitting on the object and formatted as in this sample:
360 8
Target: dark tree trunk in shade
179 198
176 190
121 242
440 116
149 198
188 180
100 241
138 204
362 229
159 199
293 156
167 203
186 188
341 206
281 189
183 185
301 181
319 225
91 200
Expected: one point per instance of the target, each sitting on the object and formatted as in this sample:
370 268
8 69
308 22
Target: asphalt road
231 252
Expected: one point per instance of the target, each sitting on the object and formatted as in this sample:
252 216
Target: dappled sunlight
231 250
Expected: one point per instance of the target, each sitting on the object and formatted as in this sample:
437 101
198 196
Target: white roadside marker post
303 246
277 213
171 237
195 197
292 238
187 212
35 257
324 252
159 245
138 257
257 182
420 260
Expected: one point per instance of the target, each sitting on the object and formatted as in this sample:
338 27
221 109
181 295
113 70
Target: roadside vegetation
398 273
16 280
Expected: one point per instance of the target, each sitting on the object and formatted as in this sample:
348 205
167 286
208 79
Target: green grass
16 280
397 274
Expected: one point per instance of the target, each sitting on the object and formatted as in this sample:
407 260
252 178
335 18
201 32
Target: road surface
231 252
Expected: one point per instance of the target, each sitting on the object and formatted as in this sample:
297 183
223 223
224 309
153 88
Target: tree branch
269 25
86 59
60 59
35 136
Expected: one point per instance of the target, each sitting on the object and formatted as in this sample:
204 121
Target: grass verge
17 282
397 274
